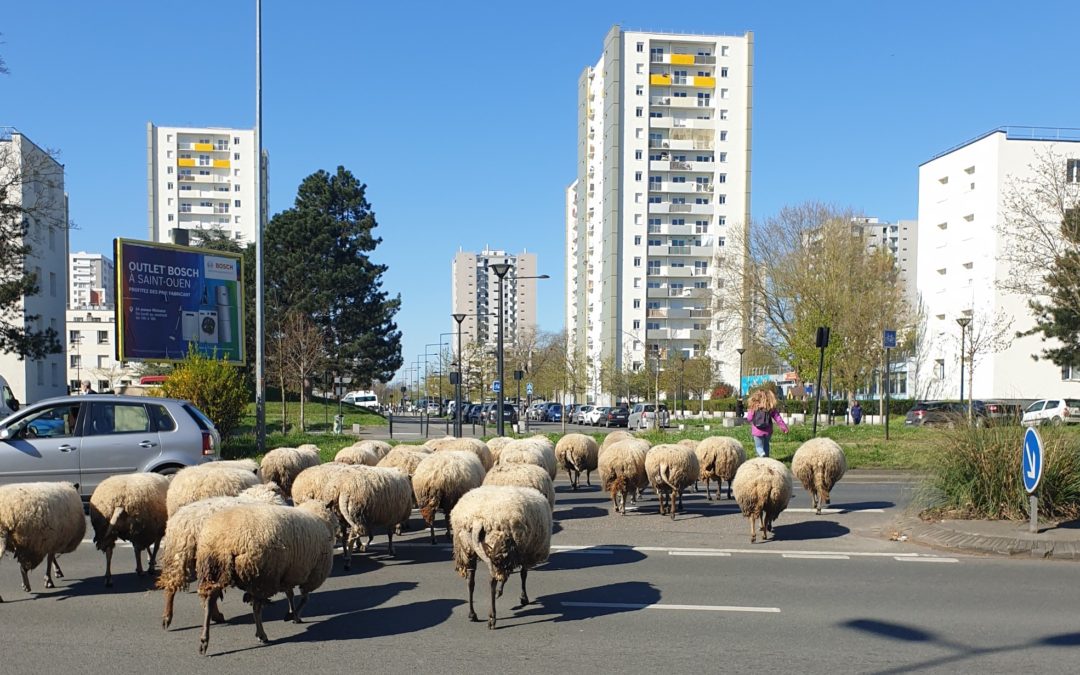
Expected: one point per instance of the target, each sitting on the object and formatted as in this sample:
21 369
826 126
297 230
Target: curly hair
762 399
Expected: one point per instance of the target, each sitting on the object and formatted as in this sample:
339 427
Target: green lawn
319 423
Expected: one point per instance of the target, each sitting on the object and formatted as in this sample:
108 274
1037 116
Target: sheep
505 526
529 451
245 464
441 479
193 483
577 453
182 535
40 521
322 484
473 445
523 475
283 465
818 464
308 447
622 470
264 549
495 445
436 444
356 454
404 457
615 437
380 448
671 469
131 507
373 497
720 457
762 489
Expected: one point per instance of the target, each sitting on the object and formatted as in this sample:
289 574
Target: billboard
169 297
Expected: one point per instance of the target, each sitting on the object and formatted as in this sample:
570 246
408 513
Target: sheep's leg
588 479
817 502
432 524
677 495
299 606
167 615
753 528
25 579
502 585
59 574
708 489
472 586
346 548
215 611
290 613
49 562
138 560
728 490
256 612
367 544
491 615
446 516
108 566
390 540
204 636
152 563
524 594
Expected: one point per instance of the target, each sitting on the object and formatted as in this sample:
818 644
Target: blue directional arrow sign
1033 460
528 388
496 386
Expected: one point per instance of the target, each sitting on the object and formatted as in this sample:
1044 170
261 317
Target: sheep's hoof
203 644
58 574
289 617
49 583
165 623
819 510
827 502
524 600
491 623
26 588
261 637
218 617
473 617
140 573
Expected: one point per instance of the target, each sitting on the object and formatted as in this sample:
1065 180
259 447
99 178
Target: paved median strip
692 608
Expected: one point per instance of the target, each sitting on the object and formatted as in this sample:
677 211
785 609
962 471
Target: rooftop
1018 133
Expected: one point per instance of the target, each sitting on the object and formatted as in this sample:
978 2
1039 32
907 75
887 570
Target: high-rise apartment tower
476 294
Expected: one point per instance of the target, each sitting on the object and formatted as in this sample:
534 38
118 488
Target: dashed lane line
715 554
818 556
932 560
693 608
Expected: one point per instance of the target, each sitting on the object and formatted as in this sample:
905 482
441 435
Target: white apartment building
38 188
475 293
202 179
901 240
91 350
663 182
92 281
959 265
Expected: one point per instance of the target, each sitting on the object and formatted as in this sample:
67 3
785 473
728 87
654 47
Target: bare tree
987 334
303 352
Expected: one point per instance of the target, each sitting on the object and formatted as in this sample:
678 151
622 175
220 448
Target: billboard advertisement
169 297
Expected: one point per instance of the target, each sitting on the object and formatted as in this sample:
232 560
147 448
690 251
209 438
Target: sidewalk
995 537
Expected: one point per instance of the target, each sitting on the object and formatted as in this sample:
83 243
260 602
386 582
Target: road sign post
1032 471
888 341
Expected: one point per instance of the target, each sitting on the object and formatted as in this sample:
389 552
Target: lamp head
963 321
458 317
500 269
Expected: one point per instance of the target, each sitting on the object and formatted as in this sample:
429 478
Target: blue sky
460 117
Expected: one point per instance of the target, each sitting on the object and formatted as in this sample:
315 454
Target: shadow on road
578 512
860 506
593 557
122 584
810 529
557 608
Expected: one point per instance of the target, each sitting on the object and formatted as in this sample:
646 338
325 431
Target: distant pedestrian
740 407
762 414
856 413
86 389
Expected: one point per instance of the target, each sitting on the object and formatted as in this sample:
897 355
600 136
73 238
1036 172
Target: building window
637 259
236 203
236 140
678 221
641 69
1072 170
939 369
641 46
720 242
723 50
655 199
701 226
723 137
637 240
678 179
721 220
236 156
656 54
170 217
75 360
637 324
723 72
1070 373
639 90
637 176
73 336
204 160
637 154
236 188
103 337
168 169
637 282
654 267
637 303
652 325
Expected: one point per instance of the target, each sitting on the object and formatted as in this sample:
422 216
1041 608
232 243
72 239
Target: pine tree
1058 317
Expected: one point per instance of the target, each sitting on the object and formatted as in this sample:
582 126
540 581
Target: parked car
597 413
474 412
945 413
642 414
1004 412
553 412
510 414
580 414
535 412
1052 411
86 439
616 417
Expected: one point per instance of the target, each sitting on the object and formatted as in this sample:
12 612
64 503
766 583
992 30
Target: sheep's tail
115 518
664 474
476 538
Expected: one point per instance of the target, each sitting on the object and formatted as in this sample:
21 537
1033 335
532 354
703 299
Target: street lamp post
500 270
682 376
963 321
457 386
656 406
741 351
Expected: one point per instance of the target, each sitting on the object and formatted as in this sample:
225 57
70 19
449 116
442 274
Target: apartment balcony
657 80
708 82
186 161
222 164
671 186
677 123
678 250
703 187
699 313
677 272
681 144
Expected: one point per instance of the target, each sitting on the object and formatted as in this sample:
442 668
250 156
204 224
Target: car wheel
170 470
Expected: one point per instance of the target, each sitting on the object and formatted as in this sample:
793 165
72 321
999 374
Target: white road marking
697 608
818 556
716 554
832 511
685 550
935 560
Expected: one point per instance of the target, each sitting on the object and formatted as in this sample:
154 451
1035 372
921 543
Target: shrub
213 385
976 474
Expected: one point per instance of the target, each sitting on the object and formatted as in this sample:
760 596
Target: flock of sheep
230 523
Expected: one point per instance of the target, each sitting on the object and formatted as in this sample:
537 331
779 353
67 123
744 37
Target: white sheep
622 470
202 481
405 457
322 484
441 479
577 453
436 444
473 445
182 536
373 497
615 437
762 488
283 465
529 451
380 448
505 526
495 445
818 464
39 521
264 550
131 507
523 475
356 454
671 468
720 457
245 464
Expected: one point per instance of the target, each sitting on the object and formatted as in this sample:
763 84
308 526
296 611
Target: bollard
390 419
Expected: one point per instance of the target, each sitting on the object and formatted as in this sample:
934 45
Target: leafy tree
317 262
1057 317
213 385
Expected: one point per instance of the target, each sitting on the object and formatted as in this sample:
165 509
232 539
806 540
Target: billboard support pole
260 383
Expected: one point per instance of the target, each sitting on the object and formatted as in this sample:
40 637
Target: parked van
362 399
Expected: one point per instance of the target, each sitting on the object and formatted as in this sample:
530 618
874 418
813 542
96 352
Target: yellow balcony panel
705 82
659 79
221 164
682 59
185 162
204 147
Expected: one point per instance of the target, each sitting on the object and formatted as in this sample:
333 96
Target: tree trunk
303 397
284 407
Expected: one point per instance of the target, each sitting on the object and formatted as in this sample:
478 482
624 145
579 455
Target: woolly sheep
355 454
577 453
322 484
131 507
529 451
441 479
193 483
523 475
182 536
762 488
720 457
495 445
404 457
615 437
245 464
373 497
283 465
436 444
818 464
308 447
622 470
39 521
671 468
263 550
380 448
473 445
505 526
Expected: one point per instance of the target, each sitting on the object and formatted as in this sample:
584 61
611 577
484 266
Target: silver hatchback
86 439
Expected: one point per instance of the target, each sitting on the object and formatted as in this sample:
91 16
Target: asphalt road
629 594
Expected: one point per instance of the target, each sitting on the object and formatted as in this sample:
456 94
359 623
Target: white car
1052 411
593 416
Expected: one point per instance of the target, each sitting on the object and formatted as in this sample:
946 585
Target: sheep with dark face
507 527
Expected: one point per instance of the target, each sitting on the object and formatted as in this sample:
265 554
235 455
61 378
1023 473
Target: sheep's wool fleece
624 459
380 448
37 519
494 514
819 456
674 466
355 454
475 446
142 497
205 480
495 445
720 457
529 451
577 451
405 458
615 437
762 485
523 475
283 465
321 483
442 477
375 496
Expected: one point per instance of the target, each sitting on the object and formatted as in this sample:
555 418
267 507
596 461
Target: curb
952 536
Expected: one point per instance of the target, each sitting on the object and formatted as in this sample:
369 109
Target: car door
1034 412
118 437
42 445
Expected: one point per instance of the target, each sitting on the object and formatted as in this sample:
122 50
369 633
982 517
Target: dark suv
945 413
